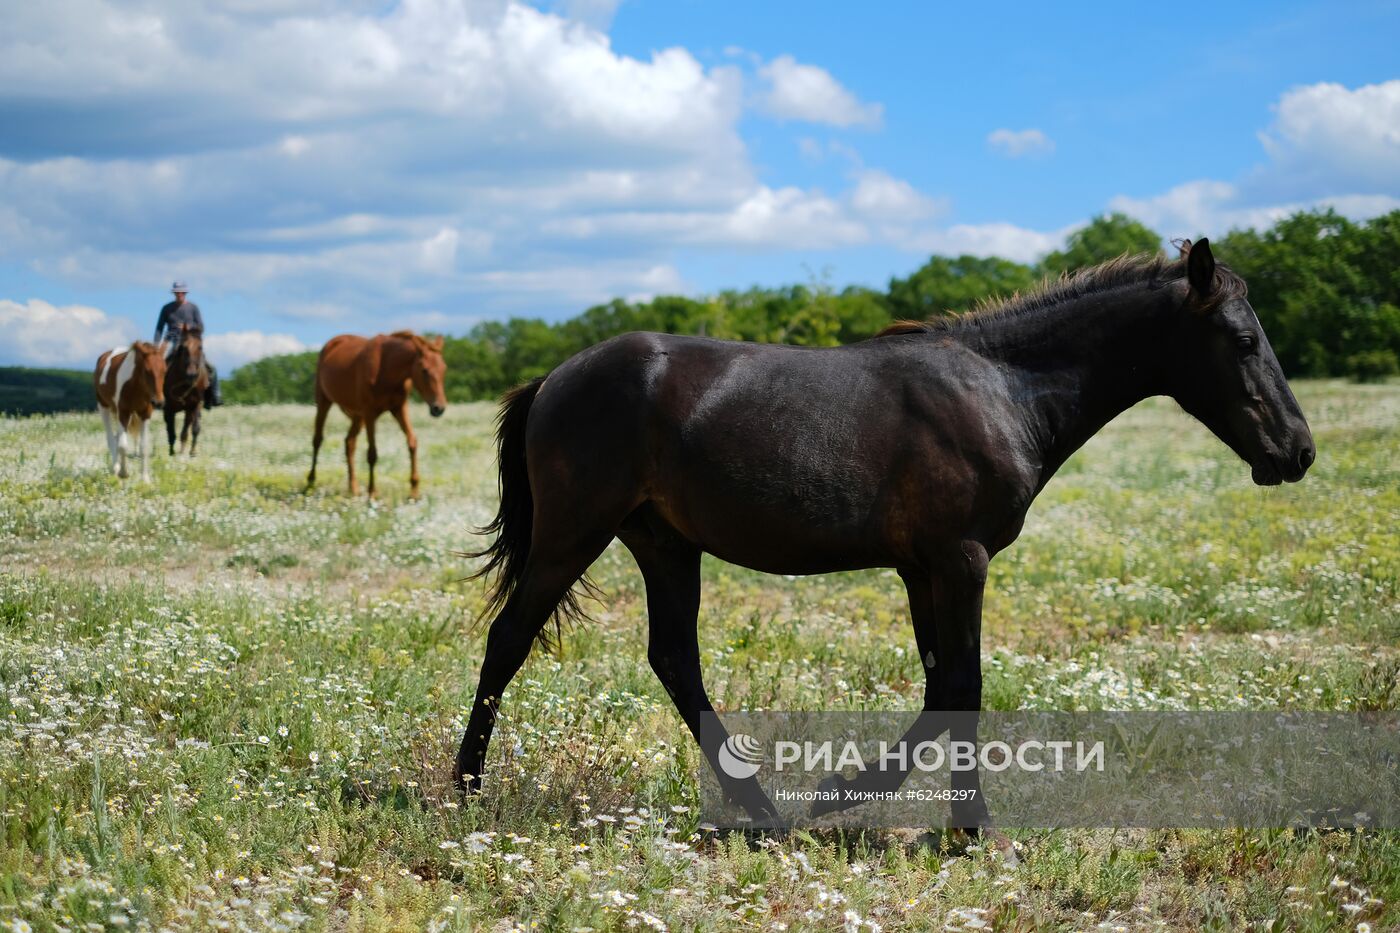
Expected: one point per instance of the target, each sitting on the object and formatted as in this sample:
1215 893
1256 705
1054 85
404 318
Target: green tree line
25 391
1326 289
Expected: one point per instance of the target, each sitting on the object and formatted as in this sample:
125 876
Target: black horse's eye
1246 343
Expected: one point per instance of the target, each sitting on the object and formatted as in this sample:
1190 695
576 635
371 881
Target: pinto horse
367 377
129 383
920 450
186 378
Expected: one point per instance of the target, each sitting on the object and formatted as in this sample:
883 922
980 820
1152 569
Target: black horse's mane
1152 270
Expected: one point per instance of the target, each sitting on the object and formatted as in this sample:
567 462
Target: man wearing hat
171 317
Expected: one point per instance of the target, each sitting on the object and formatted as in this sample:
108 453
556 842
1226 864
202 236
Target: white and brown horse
130 385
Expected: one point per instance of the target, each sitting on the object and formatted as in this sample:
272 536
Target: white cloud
73 336
345 227
883 198
437 322
1343 135
1213 208
1328 147
593 283
1006 240
499 65
439 251
294 146
481 155
1018 143
795 91
431 148
596 13
234 348
1185 210
314 311
765 218
877 208
811 149
792 216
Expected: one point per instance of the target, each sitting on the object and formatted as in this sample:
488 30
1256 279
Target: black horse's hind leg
549 573
672 575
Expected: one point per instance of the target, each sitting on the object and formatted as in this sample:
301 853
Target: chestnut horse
920 450
130 385
368 376
186 378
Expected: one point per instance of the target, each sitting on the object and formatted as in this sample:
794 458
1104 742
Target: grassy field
227 704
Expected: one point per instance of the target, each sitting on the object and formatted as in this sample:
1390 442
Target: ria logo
740 756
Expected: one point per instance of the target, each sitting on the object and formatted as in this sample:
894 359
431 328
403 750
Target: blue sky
315 167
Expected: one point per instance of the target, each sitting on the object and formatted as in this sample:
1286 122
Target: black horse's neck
177 370
1076 365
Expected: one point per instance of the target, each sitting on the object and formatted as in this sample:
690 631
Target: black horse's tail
514 522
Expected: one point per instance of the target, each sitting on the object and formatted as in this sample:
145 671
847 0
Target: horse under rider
171 317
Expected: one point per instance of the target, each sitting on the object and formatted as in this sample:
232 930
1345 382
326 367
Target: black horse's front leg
169 413
946 609
192 419
957 596
843 794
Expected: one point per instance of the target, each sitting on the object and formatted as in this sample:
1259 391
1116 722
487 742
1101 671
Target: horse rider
179 312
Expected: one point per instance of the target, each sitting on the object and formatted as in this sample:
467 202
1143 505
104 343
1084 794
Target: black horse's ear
1200 267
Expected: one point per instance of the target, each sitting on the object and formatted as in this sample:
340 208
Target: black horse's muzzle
1303 458
1285 468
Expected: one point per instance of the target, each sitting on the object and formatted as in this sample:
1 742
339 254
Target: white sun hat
179 287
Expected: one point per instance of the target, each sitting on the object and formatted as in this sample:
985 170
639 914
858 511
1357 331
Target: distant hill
25 391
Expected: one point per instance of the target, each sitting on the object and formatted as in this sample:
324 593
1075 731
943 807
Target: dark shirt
173 315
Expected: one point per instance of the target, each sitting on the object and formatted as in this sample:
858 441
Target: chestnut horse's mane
419 341
1143 269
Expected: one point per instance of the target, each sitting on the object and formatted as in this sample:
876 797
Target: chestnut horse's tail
514 522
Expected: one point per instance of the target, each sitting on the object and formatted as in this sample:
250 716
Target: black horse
186 378
920 450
